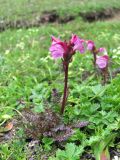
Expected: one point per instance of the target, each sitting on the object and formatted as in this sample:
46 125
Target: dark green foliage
29 78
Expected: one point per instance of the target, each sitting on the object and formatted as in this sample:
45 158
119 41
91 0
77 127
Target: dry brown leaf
8 127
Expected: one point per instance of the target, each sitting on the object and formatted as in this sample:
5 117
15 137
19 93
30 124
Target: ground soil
110 14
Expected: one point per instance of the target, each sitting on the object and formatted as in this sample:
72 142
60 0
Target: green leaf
39 108
98 89
71 152
47 143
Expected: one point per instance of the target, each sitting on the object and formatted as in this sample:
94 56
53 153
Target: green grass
26 68
25 9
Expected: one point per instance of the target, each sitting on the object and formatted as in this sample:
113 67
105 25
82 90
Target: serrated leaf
97 89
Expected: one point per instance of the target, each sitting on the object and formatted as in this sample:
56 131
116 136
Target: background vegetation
28 71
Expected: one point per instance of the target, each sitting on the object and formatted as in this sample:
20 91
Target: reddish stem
94 61
104 78
105 73
65 87
94 51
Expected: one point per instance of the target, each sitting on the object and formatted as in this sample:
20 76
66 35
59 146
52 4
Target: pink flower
65 50
90 45
58 48
55 40
102 61
103 50
73 38
78 44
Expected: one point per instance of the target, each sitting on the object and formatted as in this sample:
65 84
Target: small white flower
20 45
119 47
118 52
116 158
114 50
7 51
114 56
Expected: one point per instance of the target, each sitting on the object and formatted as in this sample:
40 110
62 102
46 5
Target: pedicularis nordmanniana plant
66 50
101 61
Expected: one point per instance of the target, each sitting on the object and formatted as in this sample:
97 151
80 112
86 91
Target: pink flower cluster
65 50
102 61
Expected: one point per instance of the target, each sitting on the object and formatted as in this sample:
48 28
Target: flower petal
90 45
103 50
55 40
56 55
78 44
56 50
102 61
